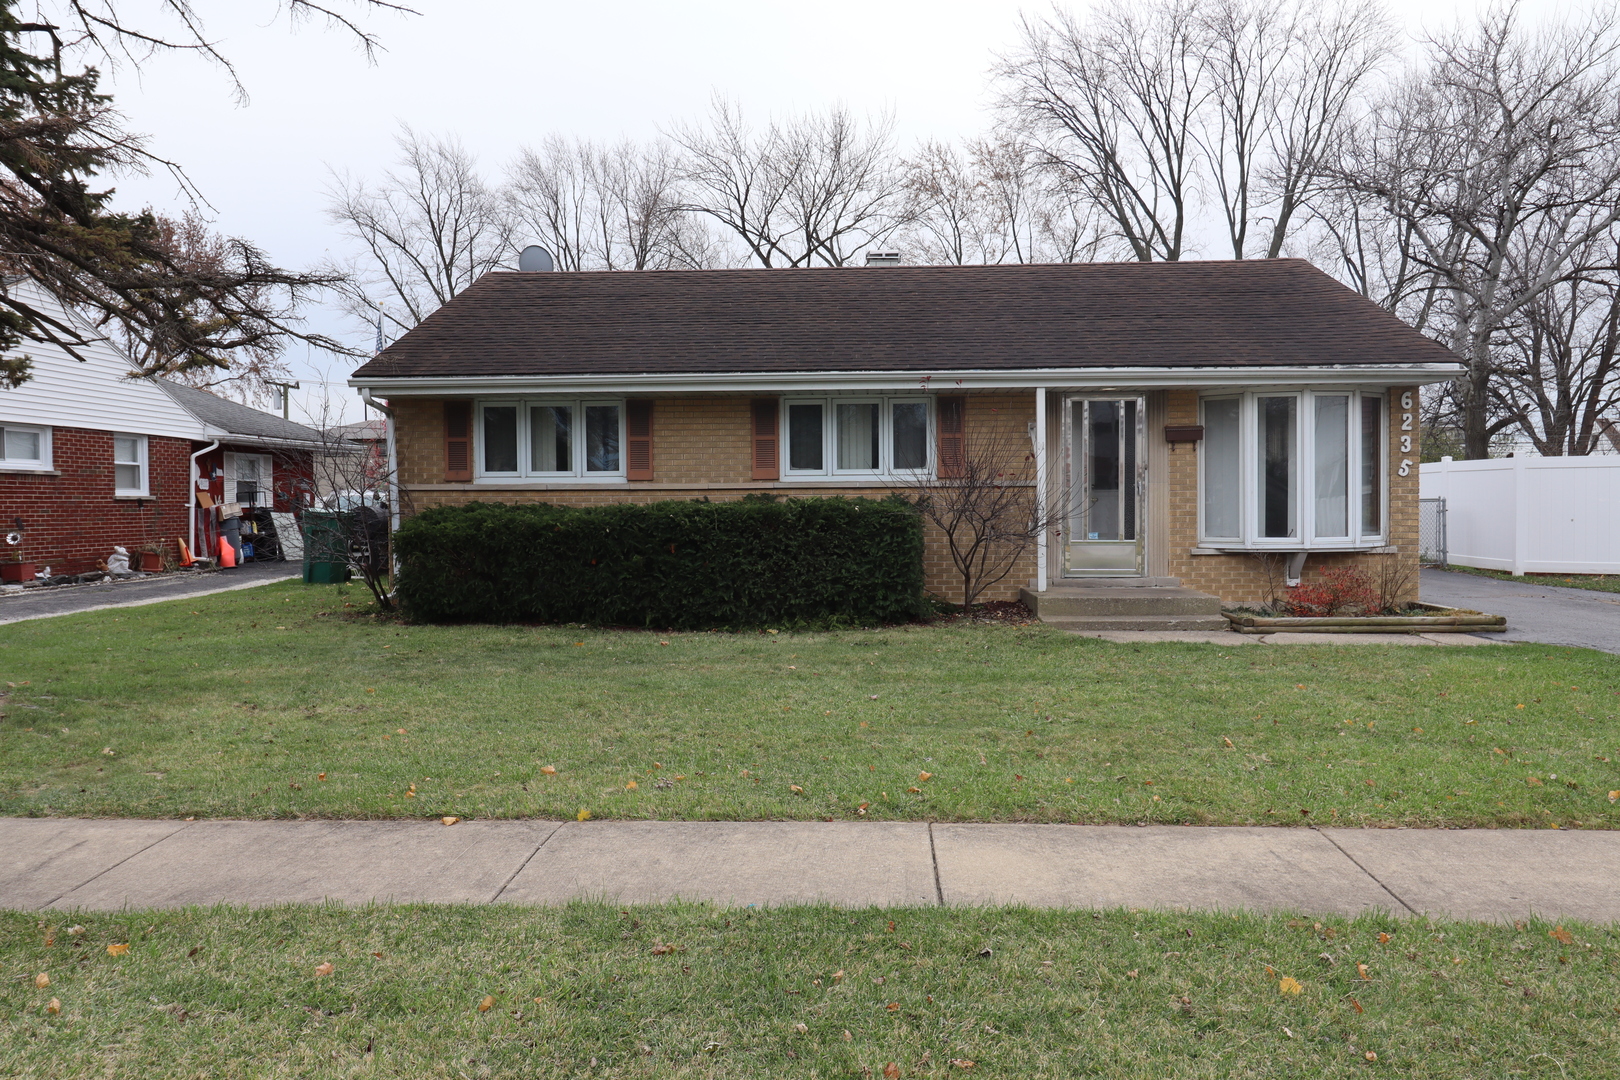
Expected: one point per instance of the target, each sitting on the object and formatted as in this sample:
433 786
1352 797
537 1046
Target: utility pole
286 397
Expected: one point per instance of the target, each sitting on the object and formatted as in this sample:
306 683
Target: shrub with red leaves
1342 590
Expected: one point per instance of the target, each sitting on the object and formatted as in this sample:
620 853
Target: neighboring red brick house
1187 416
90 457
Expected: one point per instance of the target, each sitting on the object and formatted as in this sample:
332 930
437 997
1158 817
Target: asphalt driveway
1535 612
67 599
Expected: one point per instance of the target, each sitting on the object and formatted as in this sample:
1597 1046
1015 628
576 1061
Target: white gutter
191 530
393 476
1113 378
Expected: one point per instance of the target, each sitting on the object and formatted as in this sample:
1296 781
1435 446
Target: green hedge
679 565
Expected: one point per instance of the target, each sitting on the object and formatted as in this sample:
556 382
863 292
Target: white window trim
267 478
141 463
42 464
829 438
579 475
1305 449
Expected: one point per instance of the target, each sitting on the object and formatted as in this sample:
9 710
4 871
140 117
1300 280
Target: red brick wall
72 519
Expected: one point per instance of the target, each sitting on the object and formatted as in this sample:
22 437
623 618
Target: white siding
95 394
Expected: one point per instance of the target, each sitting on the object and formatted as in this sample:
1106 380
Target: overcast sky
503 73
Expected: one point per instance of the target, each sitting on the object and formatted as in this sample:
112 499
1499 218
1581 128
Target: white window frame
267 478
578 474
39 464
1305 456
143 490
829 437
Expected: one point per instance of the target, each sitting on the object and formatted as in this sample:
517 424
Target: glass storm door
1104 439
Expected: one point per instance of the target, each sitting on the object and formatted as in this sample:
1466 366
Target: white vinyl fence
1538 515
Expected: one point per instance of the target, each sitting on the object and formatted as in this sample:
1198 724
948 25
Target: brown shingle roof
903 318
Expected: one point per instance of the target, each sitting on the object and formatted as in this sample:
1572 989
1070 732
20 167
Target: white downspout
393 473
191 524
1040 488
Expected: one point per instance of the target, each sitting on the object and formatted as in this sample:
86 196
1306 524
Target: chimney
882 258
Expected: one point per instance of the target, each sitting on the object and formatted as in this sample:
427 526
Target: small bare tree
355 498
985 505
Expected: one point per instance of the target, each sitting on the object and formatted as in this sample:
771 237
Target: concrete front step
1139 622
1067 601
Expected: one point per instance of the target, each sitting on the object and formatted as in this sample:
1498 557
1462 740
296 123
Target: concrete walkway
1535 610
137 592
69 863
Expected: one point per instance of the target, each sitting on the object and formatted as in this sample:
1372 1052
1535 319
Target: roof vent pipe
882 258
535 259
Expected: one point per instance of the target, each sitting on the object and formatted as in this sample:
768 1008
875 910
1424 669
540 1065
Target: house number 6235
1406 439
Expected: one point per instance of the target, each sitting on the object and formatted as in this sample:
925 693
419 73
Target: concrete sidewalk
1493 875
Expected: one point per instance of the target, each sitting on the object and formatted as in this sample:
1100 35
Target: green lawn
593 991
1595 582
238 704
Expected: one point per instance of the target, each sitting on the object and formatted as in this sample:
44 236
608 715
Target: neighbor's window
1278 470
129 465
872 437
554 440
24 447
249 479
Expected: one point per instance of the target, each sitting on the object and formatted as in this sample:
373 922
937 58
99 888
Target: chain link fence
1432 531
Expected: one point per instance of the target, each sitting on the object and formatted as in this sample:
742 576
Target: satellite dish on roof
535 260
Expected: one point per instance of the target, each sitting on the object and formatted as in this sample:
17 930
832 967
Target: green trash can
326 545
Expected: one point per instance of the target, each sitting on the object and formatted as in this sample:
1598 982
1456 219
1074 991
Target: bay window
554 440
830 437
1277 470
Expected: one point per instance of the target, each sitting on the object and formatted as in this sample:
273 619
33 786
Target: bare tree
1561 374
1112 104
1500 157
984 504
428 229
594 208
811 190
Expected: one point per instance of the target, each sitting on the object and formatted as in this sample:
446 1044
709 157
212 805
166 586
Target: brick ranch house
1186 415
90 457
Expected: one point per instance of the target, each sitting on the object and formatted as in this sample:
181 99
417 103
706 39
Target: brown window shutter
458 441
767 458
952 415
638 440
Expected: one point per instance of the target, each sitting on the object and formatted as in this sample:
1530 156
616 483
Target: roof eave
1403 374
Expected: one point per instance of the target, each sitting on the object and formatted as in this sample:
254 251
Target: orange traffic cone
227 554
185 553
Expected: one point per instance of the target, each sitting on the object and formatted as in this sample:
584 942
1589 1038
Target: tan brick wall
701 447
1242 578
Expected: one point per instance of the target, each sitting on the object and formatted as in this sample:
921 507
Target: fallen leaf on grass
583 815
548 770
320 776
449 820
962 1063
1356 1005
324 969
1370 1056
1228 743
924 777
1383 938
1614 796
630 785
662 949
54 1006
802 1029
846 1036
487 1004
891 1071
1562 936
42 980
1361 970
118 950
1289 985
796 789
913 791
1130 974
